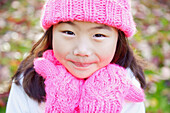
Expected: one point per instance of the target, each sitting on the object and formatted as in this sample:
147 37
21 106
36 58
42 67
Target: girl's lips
78 64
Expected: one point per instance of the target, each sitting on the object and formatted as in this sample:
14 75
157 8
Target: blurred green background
20 29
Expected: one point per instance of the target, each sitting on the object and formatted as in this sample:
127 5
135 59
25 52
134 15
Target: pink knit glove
62 89
106 89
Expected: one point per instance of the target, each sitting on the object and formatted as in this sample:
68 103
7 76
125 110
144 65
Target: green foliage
2 109
159 100
164 22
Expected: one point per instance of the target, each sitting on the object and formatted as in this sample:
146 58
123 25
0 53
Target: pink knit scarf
103 92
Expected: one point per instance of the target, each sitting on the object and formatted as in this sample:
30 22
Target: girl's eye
68 32
99 36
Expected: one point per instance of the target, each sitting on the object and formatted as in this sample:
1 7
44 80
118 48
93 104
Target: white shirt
20 102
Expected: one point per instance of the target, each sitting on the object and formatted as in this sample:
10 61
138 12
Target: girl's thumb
43 67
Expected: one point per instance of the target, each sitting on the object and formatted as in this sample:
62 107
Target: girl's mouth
78 64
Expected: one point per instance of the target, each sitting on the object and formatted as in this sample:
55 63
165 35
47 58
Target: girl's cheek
106 58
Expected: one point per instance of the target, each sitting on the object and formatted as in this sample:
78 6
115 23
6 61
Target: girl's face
84 47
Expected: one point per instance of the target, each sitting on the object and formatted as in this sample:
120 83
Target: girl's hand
106 89
62 89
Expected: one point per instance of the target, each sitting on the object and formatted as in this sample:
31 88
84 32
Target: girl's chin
82 77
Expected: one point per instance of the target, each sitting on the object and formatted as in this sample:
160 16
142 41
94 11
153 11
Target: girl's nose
82 49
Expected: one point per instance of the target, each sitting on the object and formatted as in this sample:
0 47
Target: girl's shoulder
132 77
130 107
21 77
19 101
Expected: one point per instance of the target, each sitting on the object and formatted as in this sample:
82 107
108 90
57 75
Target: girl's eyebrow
97 27
101 27
68 22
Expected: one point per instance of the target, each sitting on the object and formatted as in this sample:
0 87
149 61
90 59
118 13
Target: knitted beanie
115 13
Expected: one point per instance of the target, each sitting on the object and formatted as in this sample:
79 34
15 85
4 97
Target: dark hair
33 83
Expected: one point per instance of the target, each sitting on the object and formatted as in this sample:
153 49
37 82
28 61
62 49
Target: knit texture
106 89
62 89
103 92
115 13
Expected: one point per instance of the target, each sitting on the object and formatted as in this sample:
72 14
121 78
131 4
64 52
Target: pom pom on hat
115 13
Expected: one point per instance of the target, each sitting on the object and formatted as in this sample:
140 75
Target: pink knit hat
115 13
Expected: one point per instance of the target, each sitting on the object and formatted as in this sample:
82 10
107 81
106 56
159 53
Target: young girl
83 63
